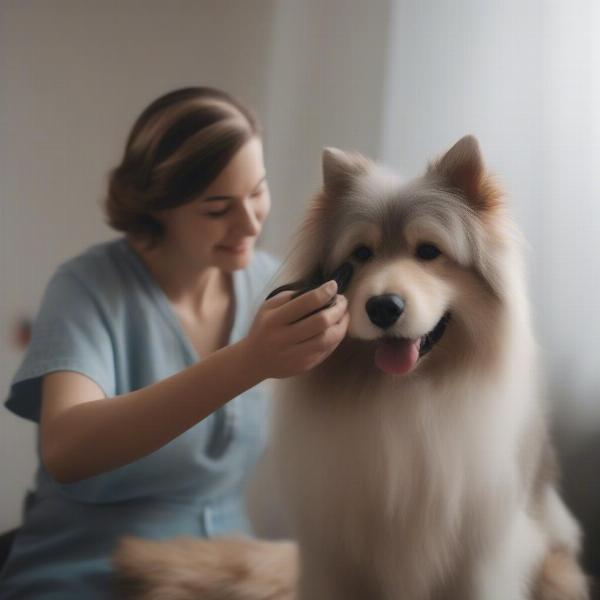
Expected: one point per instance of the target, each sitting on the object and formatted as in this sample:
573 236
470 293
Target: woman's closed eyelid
231 199
227 202
223 211
214 206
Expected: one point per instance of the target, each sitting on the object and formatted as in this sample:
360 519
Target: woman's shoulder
100 259
103 270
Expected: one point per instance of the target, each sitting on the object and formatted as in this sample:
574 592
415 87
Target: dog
415 462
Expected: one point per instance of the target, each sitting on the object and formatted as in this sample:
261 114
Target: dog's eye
362 253
427 251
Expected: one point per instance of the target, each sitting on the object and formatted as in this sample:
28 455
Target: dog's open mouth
398 356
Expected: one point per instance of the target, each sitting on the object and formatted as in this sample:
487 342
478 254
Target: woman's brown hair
177 147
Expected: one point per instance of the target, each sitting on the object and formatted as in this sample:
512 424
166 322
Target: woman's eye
427 251
362 253
218 209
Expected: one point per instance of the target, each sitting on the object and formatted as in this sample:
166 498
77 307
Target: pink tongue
396 357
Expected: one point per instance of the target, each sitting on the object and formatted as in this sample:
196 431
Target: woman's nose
249 221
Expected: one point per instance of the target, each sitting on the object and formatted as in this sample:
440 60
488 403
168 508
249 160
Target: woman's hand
285 339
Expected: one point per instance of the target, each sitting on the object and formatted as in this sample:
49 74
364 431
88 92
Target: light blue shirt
103 315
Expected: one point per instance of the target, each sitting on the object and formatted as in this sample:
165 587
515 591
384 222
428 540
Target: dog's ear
462 168
340 167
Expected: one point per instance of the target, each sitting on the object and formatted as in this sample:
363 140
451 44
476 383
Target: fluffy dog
415 462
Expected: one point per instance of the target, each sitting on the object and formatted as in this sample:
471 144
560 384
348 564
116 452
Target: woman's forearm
94 437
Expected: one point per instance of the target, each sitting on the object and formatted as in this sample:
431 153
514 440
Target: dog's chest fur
413 479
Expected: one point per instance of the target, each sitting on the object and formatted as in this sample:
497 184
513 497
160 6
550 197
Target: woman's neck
187 287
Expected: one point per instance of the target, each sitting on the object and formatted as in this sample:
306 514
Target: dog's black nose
385 310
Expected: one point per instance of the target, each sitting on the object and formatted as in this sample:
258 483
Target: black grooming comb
341 275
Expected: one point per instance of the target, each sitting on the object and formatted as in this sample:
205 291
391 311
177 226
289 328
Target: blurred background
399 80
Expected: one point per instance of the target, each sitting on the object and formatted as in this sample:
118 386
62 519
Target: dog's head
431 258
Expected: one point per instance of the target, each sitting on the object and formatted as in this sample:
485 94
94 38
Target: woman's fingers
293 335
292 310
279 299
319 322
316 349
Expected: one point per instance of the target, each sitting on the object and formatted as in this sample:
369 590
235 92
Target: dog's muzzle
386 309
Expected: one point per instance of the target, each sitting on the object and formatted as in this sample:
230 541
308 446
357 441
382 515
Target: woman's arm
85 434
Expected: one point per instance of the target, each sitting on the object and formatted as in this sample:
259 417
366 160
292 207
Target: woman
145 358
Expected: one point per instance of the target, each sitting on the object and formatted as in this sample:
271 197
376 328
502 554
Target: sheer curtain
524 77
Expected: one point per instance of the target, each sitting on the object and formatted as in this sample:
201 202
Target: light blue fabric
103 315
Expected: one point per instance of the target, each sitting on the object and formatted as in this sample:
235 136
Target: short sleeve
70 333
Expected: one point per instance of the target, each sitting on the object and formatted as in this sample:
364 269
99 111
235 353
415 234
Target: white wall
326 81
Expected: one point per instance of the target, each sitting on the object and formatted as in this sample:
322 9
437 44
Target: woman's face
220 227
